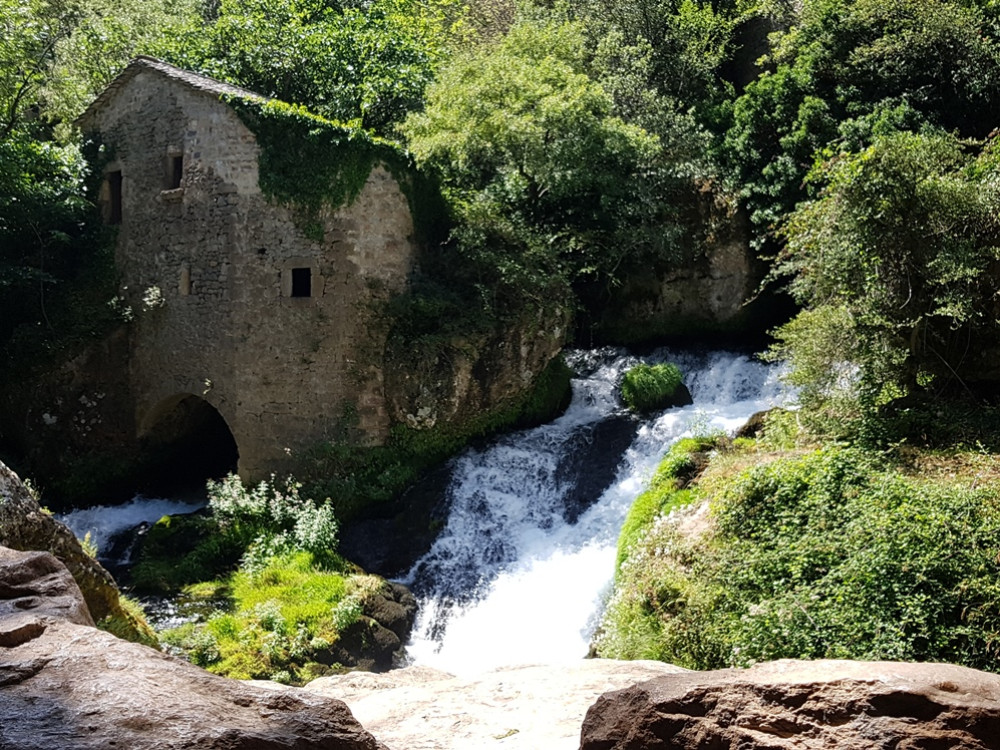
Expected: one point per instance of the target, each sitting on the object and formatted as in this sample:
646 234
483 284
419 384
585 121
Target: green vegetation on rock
283 616
646 388
832 553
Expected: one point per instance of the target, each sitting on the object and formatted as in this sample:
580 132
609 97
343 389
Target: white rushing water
105 522
510 580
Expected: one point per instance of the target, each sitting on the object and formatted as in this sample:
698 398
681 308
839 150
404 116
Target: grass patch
280 622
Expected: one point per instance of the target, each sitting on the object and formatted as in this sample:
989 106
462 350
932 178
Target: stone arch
186 440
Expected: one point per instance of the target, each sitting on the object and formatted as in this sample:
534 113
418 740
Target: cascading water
514 578
113 528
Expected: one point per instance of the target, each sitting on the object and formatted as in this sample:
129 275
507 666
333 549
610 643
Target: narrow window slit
301 282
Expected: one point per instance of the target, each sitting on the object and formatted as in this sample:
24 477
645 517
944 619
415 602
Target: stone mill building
238 312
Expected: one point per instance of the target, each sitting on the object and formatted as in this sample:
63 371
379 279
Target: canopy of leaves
47 226
903 241
363 64
849 70
546 184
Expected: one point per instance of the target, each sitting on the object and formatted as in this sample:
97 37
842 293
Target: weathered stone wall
206 268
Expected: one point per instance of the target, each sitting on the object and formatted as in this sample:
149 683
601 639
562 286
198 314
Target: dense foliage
830 554
366 65
896 261
849 70
47 232
545 182
281 621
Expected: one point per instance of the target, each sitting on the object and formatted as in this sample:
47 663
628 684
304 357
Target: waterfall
524 564
113 528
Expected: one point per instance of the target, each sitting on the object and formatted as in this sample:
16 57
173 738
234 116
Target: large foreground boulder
67 685
25 526
803 705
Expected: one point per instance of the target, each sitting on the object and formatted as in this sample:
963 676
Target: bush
893 262
273 519
646 388
825 555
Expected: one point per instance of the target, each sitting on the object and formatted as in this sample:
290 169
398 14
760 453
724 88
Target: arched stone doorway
186 441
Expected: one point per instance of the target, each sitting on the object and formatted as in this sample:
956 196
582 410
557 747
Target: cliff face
473 377
709 293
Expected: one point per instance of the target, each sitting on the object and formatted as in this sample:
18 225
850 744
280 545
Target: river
524 563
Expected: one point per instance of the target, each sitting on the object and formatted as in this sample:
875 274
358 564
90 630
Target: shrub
646 388
831 554
273 519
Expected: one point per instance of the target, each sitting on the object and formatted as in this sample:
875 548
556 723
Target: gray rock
24 526
803 705
68 686
37 584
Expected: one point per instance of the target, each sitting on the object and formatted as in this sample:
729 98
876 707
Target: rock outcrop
375 642
66 685
526 708
25 526
706 294
804 705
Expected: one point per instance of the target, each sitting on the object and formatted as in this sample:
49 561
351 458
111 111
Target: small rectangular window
115 197
175 171
301 282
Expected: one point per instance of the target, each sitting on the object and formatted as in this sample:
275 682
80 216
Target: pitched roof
193 80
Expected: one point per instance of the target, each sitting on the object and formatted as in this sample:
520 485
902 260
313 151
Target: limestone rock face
706 294
66 685
520 708
476 375
798 704
23 526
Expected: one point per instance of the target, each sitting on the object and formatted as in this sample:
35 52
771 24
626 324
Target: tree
365 65
851 70
30 30
46 225
901 248
546 184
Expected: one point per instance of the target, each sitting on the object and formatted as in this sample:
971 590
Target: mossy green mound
646 388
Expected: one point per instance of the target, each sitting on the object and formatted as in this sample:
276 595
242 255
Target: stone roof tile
193 80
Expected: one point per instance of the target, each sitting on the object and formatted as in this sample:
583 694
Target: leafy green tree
546 184
686 42
901 248
366 64
47 227
851 70
30 31
102 36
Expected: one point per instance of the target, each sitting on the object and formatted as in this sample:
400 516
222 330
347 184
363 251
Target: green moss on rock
646 388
